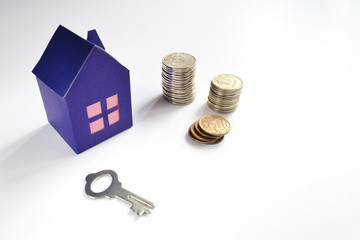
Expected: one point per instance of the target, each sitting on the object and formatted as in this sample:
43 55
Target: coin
227 82
209 129
224 93
208 143
214 125
179 60
178 73
200 132
222 109
197 137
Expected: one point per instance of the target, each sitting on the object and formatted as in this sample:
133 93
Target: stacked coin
178 72
224 93
210 129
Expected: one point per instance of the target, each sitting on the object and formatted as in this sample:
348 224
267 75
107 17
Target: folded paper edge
94 38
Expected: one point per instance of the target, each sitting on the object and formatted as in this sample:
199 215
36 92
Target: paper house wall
86 92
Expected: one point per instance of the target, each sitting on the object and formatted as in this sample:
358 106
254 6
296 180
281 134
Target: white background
288 169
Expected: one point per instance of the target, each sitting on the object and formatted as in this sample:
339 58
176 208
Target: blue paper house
86 92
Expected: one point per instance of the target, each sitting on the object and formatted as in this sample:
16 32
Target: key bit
138 204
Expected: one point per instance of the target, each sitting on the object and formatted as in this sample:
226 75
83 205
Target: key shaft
138 204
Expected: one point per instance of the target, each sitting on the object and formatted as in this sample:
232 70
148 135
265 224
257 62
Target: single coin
200 132
177 101
223 101
214 125
227 82
179 60
199 138
175 73
221 109
217 141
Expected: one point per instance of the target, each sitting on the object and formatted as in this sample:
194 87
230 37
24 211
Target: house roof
63 59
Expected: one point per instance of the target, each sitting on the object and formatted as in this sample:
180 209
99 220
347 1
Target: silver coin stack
178 72
224 93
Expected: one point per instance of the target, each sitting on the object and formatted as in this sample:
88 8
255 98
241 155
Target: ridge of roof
62 60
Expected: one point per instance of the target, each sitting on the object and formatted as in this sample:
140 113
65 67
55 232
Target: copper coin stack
209 129
178 72
224 93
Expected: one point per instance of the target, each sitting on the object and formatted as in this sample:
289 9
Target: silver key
138 204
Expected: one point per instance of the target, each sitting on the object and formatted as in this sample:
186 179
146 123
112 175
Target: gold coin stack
224 93
210 129
178 72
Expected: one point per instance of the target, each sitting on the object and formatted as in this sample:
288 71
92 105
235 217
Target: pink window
103 113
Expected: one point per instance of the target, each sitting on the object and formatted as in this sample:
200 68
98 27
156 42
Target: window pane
96 126
93 110
113 117
112 101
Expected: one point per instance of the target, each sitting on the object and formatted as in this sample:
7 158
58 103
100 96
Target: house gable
99 82
62 60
